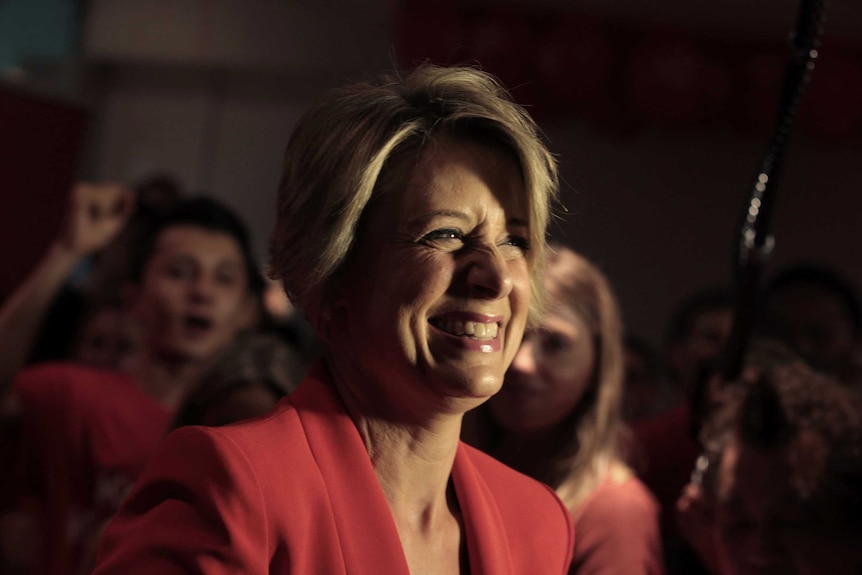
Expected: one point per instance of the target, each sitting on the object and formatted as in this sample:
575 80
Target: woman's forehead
459 176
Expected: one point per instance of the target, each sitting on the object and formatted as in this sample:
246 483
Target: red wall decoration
564 65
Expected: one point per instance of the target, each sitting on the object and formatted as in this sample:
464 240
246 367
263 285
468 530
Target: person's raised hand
96 214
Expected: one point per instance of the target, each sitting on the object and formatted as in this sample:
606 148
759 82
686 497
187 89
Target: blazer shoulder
520 496
539 524
275 437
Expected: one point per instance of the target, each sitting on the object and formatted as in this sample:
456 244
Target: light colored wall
296 35
209 90
209 130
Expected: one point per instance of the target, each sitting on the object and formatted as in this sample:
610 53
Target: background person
644 380
816 311
783 490
248 380
87 432
96 214
558 419
58 310
666 447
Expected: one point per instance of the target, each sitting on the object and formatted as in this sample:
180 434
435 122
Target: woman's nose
489 275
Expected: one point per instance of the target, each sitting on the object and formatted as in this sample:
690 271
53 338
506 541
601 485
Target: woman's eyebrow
419 220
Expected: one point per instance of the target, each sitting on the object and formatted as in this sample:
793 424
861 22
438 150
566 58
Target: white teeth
473 329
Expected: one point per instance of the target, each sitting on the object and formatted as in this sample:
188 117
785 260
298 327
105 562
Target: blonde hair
341 153
577 284
589 444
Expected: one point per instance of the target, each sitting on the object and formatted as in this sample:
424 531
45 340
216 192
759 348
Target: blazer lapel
487 540
366 529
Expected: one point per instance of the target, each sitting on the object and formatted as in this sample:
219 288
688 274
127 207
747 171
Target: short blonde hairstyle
341 153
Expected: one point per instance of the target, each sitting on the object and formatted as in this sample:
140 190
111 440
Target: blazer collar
368 535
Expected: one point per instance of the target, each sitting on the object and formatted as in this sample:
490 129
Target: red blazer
295 492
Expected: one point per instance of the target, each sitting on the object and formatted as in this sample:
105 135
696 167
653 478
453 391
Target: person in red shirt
87 432
558 419
666 446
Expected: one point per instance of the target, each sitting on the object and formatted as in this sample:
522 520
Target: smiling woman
411 230
458 233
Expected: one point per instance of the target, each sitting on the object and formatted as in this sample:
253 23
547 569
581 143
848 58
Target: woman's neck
412 453
413 460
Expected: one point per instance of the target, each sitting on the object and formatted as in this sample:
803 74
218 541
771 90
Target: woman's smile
472 332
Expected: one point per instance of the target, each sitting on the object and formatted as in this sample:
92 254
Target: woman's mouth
471 329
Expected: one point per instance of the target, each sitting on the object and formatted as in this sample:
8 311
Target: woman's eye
443 236
553 343
519 242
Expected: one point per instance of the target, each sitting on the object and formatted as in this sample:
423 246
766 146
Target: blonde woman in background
558 419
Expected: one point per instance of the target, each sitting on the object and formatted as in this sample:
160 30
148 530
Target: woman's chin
474 387
487 386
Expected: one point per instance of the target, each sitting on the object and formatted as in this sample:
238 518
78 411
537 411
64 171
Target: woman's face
432 306
549 376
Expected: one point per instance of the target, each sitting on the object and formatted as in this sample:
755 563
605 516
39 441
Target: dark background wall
660 212
657 157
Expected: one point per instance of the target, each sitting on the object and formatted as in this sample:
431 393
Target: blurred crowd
148 312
